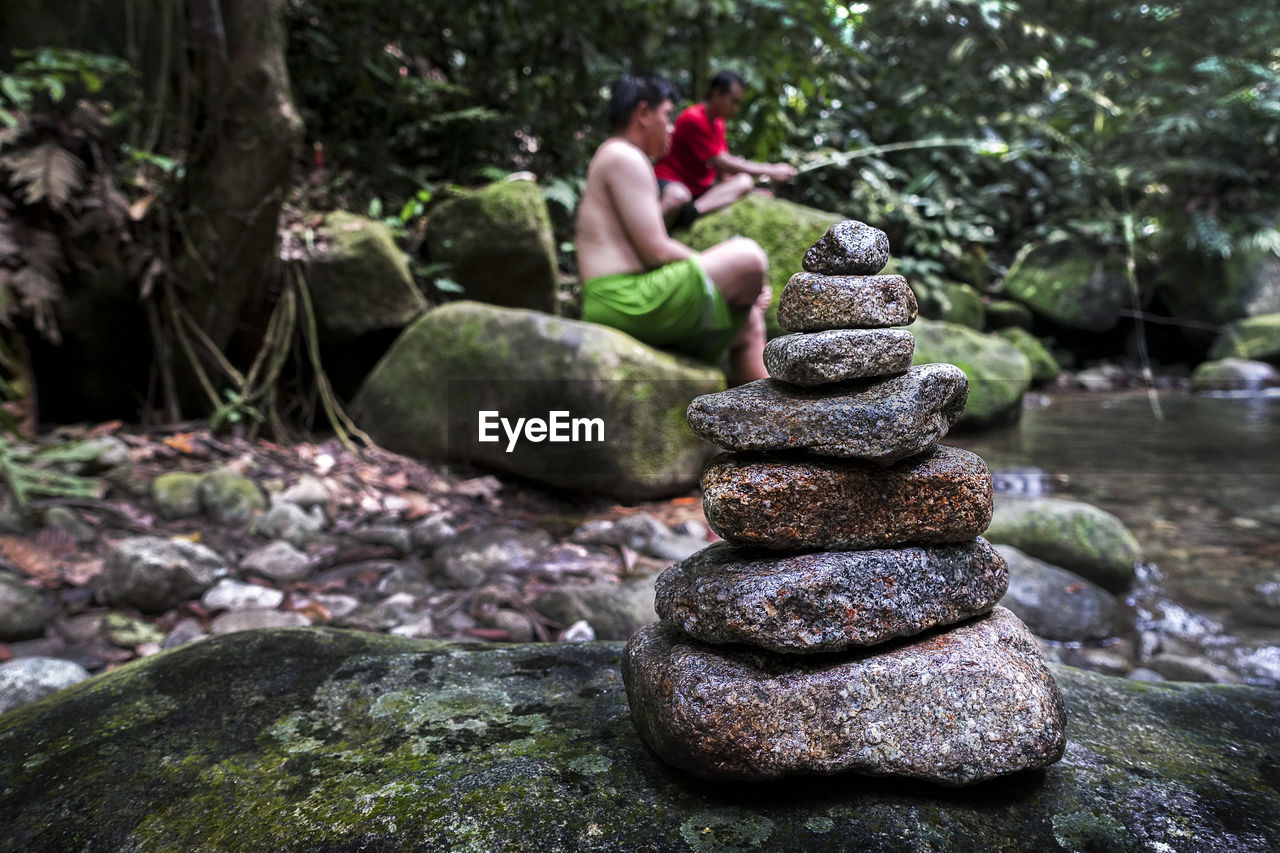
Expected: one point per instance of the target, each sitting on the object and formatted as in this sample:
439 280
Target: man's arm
633 192
728 164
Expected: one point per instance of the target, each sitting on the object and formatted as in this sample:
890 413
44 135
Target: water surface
1200 488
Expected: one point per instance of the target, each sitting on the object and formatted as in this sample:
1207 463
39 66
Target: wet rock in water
154 574
1234 374
815 303
1191 668
277 561
23 610
837 355
803 503
28 679
883 420
1069 534
956 708
1056 604
848 248
827 601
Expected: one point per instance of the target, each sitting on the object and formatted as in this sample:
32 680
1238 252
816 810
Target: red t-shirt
695 141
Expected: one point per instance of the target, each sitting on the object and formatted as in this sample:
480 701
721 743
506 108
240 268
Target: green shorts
673 307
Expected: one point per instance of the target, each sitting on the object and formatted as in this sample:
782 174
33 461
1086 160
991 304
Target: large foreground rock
808 503
954 707
784 230
883 419
316 739
425 397
829 600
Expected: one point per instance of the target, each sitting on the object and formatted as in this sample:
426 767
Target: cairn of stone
849 621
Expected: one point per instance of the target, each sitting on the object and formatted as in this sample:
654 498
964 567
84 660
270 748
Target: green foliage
28 472
44 76
235 410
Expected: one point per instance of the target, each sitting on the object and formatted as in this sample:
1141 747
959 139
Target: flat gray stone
808 504
955 707
28 679
812 302
827 601
882 420
848 248
1057 604
837 355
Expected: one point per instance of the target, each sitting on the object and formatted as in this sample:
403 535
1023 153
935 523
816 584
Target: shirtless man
635 277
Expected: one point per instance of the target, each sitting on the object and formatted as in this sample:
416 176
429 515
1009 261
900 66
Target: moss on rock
1070 534
318 739
177 494
360 280
425 396
1071 285
784 230
998 373
952 302
498 243
1044 367
1250 338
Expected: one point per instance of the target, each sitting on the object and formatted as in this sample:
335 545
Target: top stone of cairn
848 248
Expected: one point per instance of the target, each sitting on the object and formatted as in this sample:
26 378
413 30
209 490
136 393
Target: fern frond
40 296
49 173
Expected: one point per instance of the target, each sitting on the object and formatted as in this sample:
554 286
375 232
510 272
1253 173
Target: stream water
1200 488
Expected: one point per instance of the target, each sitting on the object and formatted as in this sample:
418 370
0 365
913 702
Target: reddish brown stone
954 707
810 503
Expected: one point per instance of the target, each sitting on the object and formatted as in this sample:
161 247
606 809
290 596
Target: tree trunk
247 140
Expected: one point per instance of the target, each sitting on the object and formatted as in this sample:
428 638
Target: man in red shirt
699 174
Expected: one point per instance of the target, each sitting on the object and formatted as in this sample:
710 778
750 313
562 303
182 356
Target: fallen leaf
180 442
106 428
193 536
315 611
30 559
398 480
1074 588
419 505
5 654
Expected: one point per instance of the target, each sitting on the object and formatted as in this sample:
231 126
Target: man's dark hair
723 82
633 89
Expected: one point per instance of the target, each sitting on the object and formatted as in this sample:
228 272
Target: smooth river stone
803 503
848 248
954 707
812 303
883 420
827 601
838 355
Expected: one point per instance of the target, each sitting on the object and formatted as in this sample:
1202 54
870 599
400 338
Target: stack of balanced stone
849 622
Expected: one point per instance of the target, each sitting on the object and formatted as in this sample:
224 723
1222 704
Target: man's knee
741 182
675 194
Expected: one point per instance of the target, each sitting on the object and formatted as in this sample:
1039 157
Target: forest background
968 129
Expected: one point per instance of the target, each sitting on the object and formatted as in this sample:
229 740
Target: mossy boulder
426 396
320 739
1219 290
1070 534
1070 284
360 280
998 373
176 494
951 302
1234 374
1252 338
230 498
498 244
1003 313
1044 367
784 230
